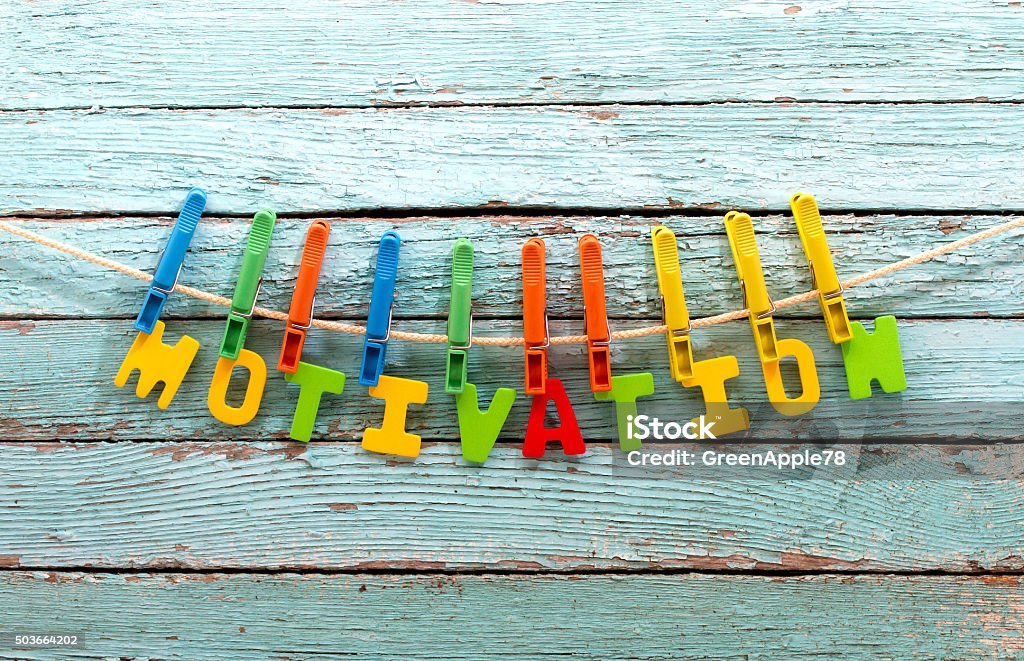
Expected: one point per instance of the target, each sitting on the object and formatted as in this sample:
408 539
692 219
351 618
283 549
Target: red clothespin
300 314
535 317
595 314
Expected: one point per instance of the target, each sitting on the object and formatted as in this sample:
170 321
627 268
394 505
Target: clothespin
535 317
759 304
823 270
248 286
673 305
378 323
460 318
300 313
595 315
168 268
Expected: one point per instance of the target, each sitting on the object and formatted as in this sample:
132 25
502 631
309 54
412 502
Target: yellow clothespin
673 305
755 293
823 270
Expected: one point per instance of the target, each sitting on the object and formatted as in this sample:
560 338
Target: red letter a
567 432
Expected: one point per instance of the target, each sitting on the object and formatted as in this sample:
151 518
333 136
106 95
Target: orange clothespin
300 313
595 314
535 317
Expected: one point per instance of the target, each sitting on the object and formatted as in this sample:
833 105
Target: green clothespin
460 318
248 286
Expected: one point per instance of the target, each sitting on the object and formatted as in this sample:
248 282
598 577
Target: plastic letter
874 357
710 376
391 437
568 430
157 362
313 382
479 429
253 390
811 391
625 391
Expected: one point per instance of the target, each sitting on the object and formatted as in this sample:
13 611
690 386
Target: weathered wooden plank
117 52
936 156
35 280
366 616
57 383
333 506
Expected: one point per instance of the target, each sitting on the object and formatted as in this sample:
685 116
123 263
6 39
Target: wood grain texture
234 53
272 506
114 108
932 156
292 617
965 382
38 281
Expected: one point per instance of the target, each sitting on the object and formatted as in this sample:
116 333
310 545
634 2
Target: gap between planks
500 211
443 316
448 105
286 570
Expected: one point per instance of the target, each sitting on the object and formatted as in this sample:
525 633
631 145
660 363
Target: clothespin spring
469 343
814 283
676 332
301 327
547 334
387 332
763 315
596 343
177 275
252 308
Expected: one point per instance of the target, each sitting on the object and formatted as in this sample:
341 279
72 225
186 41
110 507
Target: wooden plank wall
169 535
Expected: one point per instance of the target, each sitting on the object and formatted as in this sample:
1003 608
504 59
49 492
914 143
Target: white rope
518 341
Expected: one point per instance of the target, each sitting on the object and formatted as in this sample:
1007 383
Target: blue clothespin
378 324
168 268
